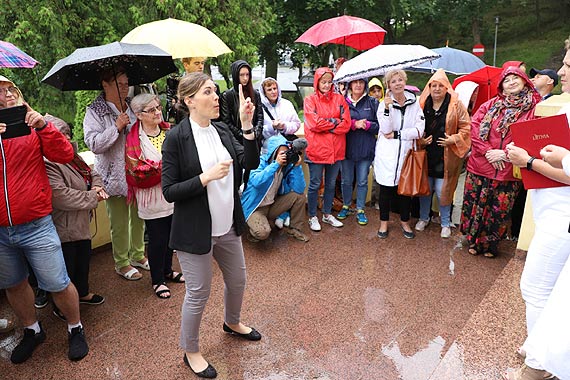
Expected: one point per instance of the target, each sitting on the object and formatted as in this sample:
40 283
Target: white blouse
221 191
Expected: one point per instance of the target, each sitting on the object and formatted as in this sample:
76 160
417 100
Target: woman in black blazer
202 165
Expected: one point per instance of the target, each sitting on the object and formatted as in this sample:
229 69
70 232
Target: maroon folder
533 135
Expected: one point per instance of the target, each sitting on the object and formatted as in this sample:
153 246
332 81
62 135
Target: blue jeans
362 169
38 243
425 203
316 175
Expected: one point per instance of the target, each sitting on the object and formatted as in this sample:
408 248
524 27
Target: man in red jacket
27 232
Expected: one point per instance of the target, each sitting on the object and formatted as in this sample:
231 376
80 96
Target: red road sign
479 50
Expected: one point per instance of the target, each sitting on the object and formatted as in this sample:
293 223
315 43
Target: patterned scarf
140 171
514 106
82 168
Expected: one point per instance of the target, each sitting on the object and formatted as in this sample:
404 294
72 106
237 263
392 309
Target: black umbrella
143 63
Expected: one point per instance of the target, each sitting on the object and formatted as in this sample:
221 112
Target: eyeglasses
4 91
153 109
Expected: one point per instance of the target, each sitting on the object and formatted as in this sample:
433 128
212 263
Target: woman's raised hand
388 100
246 109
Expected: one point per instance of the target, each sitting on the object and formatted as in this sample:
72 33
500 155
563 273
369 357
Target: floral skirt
487 205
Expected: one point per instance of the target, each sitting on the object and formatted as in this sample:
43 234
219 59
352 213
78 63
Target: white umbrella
381 59
452 61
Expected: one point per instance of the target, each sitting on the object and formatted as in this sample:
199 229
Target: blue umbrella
452 61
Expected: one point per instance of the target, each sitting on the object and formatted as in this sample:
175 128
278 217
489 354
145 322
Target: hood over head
465 90
273 143
318 75
375 82
518 72
512 64
235 68
264 99
438 76
20 100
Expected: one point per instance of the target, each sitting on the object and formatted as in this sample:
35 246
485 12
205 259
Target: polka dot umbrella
143 63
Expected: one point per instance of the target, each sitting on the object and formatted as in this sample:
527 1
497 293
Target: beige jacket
71 201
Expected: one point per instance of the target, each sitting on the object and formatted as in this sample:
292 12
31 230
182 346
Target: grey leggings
227 250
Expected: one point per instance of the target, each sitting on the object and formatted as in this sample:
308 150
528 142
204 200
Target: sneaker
41 298
27 345
421 225
343 213
252 239
314 223
445 232
361 218
330 219
287 221
279 223
96 299
78 347
6 325
58 313
297 234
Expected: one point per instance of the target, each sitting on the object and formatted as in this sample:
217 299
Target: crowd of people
239 151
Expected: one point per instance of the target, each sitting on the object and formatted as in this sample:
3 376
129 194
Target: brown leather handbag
414 176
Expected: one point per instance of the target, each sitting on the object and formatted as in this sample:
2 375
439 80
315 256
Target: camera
294 149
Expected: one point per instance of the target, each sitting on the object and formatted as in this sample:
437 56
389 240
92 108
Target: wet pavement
345 305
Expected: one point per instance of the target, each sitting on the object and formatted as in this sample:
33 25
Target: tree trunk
271 67
476 29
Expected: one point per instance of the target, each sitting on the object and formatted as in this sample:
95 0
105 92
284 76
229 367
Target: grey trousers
227 250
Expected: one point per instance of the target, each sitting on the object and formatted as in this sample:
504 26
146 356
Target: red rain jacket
25 191
327 120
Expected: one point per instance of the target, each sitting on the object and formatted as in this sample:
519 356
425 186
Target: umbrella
81 69
179 38
355 32
381 59
487 78
11 57
452 61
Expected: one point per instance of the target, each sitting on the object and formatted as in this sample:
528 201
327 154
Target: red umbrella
355 32
488 80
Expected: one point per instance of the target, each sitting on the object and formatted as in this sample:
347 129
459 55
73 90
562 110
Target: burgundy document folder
533 135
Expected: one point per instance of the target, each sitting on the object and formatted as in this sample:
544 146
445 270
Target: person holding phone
202 166
27 231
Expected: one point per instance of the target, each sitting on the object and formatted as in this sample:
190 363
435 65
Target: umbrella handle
118 91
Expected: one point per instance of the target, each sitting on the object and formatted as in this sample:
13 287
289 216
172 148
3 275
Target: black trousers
77 256
158 252
517 213
389 195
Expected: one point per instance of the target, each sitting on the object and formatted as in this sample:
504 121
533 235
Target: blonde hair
392 74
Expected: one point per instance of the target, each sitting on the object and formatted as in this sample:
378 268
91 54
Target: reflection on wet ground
345 305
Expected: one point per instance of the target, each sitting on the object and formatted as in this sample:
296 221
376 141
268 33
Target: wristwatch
247 131
529 163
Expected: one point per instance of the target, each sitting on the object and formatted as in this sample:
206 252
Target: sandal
490 254
130 275
138 264
160 290
175 277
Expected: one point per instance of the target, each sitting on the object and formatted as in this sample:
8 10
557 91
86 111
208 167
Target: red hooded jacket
327 120
477 163
25 191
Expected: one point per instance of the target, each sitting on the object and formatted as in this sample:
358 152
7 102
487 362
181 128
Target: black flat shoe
382 234
208 373
408 235
253 334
